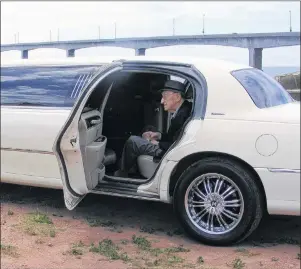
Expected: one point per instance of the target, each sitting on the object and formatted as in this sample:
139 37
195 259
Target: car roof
200 62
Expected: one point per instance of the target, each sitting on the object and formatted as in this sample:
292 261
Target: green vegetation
10 213
141 242
174 259
107 248
96 222
238 264
8 250
200 260
38 224
40 218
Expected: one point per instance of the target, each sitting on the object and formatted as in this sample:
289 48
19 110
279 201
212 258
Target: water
280 70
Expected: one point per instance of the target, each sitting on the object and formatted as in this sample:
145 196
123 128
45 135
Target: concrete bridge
255 43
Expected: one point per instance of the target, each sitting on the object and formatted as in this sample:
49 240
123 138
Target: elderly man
154 143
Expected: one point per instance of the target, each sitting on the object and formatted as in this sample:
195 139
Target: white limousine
64 124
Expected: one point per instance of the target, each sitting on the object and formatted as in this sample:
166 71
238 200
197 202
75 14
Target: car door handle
73 140
94 122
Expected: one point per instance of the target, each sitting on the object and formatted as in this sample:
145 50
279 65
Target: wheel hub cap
214 203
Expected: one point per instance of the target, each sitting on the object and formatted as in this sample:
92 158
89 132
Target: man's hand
155 142
147 135
155 136
151 136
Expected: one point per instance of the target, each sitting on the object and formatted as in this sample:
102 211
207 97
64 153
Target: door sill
123 190
117 186
124 180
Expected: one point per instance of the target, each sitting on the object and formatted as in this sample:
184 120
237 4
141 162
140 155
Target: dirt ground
38 232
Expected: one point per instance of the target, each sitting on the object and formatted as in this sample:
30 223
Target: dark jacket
176 126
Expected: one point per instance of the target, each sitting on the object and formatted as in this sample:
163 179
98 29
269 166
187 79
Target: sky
45 21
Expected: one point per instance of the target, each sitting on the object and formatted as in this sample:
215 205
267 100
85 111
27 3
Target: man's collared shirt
175 113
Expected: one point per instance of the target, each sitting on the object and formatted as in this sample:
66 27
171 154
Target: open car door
72 156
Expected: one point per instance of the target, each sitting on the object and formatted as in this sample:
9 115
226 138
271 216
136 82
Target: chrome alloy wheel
214 203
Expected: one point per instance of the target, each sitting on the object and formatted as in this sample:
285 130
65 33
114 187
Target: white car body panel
282 191
28 134
27 138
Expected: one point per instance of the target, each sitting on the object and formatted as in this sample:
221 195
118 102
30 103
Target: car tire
246 191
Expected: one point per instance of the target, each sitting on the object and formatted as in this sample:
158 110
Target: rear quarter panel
238 138
234 125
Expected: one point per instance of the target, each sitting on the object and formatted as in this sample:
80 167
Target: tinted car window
264 90
54 86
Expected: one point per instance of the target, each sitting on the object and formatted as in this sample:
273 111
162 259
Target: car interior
123 104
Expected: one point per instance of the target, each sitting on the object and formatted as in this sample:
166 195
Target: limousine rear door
67 145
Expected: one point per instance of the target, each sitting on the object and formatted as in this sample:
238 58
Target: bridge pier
140 52
24 54
70 53
255 57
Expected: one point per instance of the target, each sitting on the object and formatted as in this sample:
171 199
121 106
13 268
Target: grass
108 249
141 242
190 265
40 218
200 260
95 222
174 259
149 264
10 213
157 251
165 262
144 244
80 244
156 262
38 224
9 250
167 258
176 249
52 233
238 264
299 256
76 251
39 241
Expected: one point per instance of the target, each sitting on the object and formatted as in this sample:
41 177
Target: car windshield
263 89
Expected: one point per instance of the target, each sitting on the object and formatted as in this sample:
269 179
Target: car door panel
80 171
